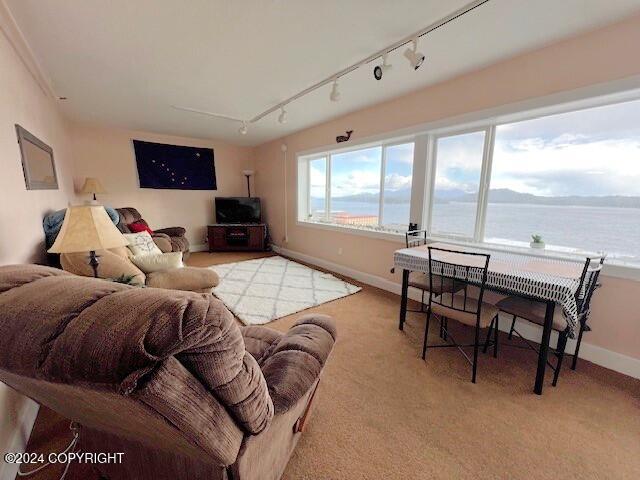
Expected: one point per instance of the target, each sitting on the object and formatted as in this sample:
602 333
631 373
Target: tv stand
237 237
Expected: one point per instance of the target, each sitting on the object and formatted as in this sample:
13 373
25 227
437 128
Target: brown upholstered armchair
170 239
166 377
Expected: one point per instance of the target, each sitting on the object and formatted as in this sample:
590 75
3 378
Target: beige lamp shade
92 185
87 228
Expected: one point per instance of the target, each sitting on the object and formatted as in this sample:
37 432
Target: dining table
552 280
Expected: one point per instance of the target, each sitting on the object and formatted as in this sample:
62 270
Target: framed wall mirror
37 162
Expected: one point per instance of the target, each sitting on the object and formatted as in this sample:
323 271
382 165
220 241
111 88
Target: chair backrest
415 238
87 333
462 269
588 285
128 215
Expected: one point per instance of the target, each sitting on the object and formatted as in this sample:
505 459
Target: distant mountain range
502 195
505 195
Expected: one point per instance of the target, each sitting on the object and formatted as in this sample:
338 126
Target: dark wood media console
246 236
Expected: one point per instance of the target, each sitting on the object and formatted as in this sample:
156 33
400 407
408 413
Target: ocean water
615 231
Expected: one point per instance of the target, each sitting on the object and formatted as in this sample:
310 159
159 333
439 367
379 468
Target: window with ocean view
368 188
572 178
398 174
455 196
318 188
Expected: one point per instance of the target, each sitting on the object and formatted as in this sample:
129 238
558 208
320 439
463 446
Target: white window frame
618 91
304 191
485 176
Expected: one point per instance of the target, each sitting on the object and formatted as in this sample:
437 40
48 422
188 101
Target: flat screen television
238 210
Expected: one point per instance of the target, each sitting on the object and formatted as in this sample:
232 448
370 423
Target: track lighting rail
394 46
333 78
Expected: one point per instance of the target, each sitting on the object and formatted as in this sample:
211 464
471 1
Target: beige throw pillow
156 263
142 244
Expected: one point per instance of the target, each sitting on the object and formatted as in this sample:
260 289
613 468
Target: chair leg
495 337
513 325
475 352
446 327
562 344
486 341
426 334
574 363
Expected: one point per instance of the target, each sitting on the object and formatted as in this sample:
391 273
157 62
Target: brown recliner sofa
170 239
166 377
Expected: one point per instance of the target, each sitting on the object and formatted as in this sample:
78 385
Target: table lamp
92 186
87 228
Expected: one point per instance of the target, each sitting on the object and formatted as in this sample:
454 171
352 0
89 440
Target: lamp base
94 262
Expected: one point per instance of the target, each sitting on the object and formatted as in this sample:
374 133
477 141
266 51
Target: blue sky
359 172
588 152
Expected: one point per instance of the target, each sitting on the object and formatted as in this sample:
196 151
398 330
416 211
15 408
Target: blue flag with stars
174 166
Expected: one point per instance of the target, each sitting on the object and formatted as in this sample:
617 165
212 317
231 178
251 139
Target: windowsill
612 269
364 232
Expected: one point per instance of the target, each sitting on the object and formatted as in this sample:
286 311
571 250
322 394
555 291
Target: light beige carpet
382 413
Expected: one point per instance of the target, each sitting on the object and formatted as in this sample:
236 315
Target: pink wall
23 101
596 57
107 153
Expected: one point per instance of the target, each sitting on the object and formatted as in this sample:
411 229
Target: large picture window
368 188
458 167
571 177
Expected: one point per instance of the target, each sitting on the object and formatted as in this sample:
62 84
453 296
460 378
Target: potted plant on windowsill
536 242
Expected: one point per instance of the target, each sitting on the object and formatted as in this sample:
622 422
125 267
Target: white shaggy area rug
262 290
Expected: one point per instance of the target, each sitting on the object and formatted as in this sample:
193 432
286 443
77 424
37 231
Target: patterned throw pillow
142 244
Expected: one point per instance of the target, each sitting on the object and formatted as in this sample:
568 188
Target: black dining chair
462 269
592 285
534 312
420 280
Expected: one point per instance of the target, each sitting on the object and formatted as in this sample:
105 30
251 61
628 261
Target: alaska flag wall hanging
174 166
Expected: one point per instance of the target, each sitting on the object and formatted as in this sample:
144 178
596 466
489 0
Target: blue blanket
52 223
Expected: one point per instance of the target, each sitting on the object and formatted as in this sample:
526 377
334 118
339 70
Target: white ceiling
125 62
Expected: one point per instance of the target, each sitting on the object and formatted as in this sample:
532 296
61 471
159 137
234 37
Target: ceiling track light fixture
415 58
282 118
380 69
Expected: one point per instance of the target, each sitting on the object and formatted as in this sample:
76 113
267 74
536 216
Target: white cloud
355 181
605 167
396 181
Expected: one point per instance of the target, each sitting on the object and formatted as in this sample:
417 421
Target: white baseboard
600 356
18 442
200 247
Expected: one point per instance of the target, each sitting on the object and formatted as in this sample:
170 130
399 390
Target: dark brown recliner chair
166 377
170 239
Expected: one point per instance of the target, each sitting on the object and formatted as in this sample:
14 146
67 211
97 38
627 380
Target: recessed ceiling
124 63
